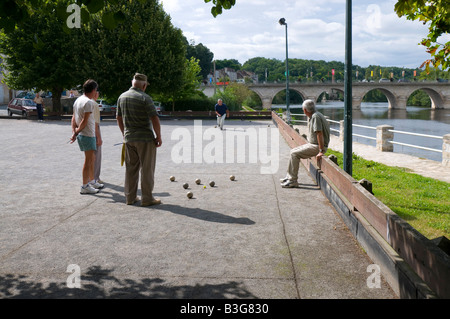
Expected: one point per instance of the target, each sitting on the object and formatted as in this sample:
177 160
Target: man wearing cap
139 123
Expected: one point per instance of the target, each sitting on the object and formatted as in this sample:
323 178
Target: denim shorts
87 143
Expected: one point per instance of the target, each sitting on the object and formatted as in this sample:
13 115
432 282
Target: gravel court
244 239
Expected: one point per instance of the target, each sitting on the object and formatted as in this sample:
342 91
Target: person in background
39 107
98 136
221 112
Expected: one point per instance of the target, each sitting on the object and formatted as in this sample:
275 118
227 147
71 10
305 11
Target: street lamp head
282 21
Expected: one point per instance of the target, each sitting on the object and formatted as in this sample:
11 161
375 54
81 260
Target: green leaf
85 16
108 20
119 16
135 27
95 6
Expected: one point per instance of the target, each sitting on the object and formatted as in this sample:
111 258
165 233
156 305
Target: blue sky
316 30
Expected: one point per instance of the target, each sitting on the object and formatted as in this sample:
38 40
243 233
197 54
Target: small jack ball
189 194
232 177
185 185
172 178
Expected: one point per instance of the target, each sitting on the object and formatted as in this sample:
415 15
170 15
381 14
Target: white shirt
81 106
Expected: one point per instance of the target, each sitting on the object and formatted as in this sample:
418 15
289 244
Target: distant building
5 93
232 75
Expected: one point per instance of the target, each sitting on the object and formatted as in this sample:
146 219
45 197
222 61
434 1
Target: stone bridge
397 93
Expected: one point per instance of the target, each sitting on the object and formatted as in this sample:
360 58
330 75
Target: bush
192 104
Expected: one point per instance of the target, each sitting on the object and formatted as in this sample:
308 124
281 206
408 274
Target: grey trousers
140 158
98 162
304 151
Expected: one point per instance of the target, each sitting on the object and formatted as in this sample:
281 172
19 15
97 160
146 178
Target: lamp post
348 91
288 112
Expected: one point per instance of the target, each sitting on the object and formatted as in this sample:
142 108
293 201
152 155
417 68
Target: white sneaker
97 185
284 180
88 190
290 184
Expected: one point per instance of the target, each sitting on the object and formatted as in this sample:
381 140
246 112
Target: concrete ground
247 238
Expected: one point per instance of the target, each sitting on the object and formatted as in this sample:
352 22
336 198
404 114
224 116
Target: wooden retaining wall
413 265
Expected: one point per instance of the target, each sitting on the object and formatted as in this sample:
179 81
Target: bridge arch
437 100
397 94
393 100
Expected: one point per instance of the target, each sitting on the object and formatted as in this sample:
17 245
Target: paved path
244 239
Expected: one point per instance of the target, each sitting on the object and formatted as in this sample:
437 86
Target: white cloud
316 30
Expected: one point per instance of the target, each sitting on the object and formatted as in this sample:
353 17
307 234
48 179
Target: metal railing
416 146
374 138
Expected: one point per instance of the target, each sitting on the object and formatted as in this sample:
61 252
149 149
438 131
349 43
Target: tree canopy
43 55
436 14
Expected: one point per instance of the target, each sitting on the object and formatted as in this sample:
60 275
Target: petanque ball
197 181
189 194
185 185
172 178
232 177
212 183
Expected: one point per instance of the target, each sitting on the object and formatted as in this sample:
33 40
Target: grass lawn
421 201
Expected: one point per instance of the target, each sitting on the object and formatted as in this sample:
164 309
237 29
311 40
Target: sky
316 31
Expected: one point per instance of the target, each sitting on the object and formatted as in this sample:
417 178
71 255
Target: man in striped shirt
141 130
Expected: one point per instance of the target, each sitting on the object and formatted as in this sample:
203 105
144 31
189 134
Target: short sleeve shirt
221 109
81 106
136 108
317 123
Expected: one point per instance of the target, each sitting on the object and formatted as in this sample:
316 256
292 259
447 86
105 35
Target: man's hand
158 141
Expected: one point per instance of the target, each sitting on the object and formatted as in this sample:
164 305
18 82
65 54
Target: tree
228 63
39 55
189 88
148 44
436 14
15 12
202 54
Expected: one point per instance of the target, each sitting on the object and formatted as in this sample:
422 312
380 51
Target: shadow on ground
99 283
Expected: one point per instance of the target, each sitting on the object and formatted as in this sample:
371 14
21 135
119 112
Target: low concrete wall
413 265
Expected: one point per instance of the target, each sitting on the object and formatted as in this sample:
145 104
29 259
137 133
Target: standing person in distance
139 123
221 112
83 128
39 107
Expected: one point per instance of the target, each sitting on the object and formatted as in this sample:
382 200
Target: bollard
384 137
446 150
366 184
341 130
334 159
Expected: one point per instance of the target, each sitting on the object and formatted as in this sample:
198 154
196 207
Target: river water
414 120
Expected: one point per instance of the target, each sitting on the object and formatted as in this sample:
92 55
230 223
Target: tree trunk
56 99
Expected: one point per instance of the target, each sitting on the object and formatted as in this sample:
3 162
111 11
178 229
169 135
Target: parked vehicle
159 108
26 95
104 107
21 106
384 80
